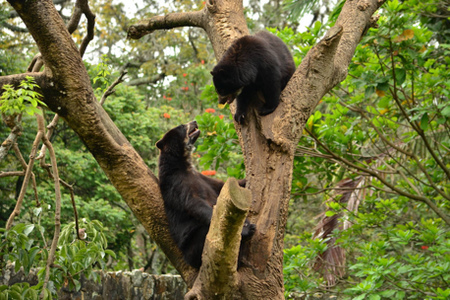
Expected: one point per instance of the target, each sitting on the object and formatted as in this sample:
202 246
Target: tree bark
267 142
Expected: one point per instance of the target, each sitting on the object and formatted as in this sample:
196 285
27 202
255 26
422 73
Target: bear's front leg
242 104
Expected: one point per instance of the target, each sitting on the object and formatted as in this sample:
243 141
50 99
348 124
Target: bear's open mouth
193 131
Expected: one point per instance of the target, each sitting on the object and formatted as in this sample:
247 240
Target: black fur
255 69
189 196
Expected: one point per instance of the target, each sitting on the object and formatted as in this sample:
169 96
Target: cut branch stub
218 274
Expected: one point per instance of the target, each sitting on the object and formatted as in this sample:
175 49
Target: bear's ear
212 73
159 144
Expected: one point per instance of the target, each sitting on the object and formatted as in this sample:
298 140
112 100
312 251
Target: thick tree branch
195 19
14 14
82 7
36 63
16 79
355 18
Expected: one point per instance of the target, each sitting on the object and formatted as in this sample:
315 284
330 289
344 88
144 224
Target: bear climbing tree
254 70
189 196
267 142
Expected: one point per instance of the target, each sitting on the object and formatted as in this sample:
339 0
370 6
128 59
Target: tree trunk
268 142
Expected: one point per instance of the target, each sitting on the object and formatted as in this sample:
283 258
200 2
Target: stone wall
133 285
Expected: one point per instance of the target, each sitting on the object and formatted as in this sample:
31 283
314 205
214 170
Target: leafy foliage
389 122
24 99
73 258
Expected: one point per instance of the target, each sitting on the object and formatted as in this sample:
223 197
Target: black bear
255 69
188 195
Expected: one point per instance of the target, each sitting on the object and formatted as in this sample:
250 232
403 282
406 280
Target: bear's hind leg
193 247
271 98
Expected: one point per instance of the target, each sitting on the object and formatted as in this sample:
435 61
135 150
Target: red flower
424 247
210 110
166 115
169 98
184 74
164 96
209 172
221 117
203 62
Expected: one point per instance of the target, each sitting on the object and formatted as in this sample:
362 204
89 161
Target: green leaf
360 297
384 102
400 295
400 76
424 122
369 91
383 86
387 293
446 111
14 295
111 253
28 229
330 213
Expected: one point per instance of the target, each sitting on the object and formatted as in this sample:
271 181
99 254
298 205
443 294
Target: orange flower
209 172
203 62
210 110
169 98
166 115
221 117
